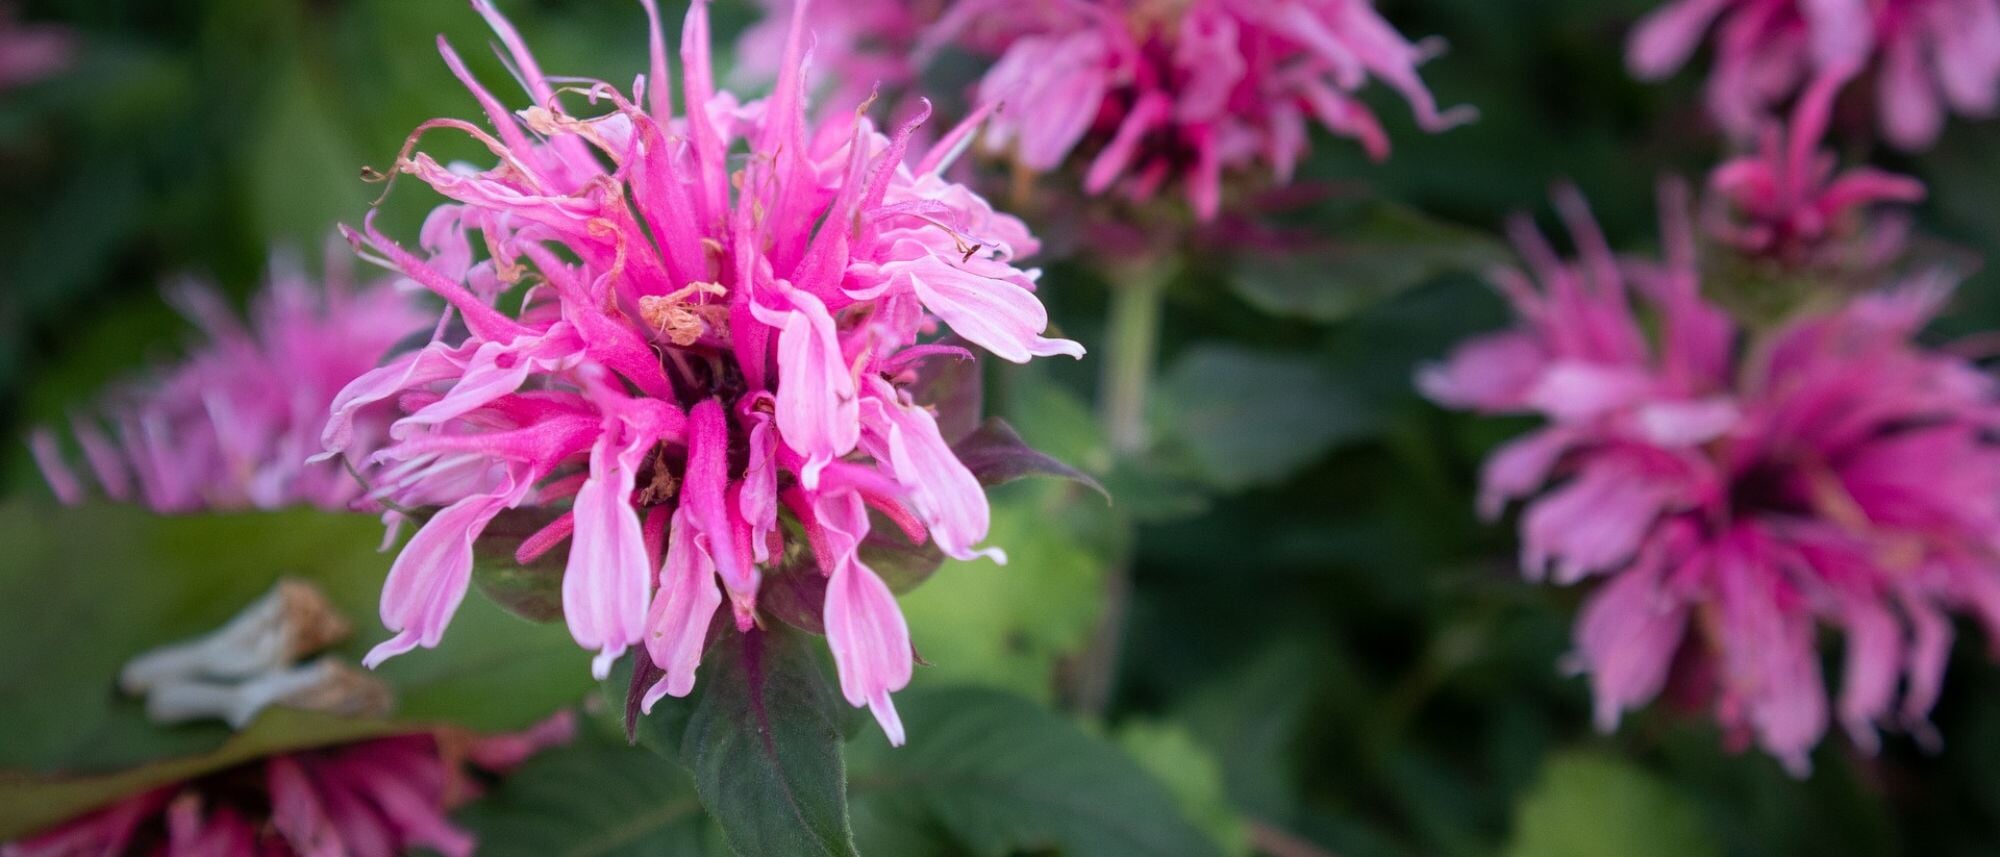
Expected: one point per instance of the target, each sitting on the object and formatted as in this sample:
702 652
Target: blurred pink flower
1185 92
231 425
1926 56
706 344
374 798
1785 201
30 52
1736 497
857 45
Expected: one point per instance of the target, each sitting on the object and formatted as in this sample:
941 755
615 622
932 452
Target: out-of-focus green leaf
1253 719
1009 626
1593 804
1362 257
1194 776
1055 420
303 169
1248 417
594 798
107 583
997 455
762 737
991 773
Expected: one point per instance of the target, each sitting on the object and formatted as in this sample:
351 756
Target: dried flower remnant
722 309
377 797
1736 491
1185 93
231 425
1927 57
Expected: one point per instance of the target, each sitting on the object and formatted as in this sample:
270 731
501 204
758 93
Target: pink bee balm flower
1927 56
1185 92
376 798
1736 496
30 52
1786 203
857 45
232 424
720 313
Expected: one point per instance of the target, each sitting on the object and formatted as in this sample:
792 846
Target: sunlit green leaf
1591 804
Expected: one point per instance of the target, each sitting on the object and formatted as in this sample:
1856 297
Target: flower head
1185 92
857 45
231 425
1785 202
1736 492
1927 56
381 796
720 312
30 52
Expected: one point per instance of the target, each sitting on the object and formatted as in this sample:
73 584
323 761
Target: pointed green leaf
763 742
997 455
1249 417
1369 253
996 774
591 799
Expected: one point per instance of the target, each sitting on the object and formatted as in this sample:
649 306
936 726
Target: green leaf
1192 774
107 583
995 774
1592 804
1372 252
1253 716
532 591
900 563
1248 417
591 799
763 742
302 166
997 455
1009 626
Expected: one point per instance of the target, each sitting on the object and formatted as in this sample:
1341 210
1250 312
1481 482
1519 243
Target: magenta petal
607 579
996 315
677 627
429 577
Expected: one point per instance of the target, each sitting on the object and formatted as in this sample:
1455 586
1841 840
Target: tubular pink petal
606 581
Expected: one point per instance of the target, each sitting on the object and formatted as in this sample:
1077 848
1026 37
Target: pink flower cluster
719 312
1785 202
857 45
1184 92
232 424
374 798
1927 56
30 52
1737 491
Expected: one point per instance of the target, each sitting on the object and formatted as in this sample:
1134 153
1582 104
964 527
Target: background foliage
1321 650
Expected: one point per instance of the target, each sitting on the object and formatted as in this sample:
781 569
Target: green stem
1133 340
